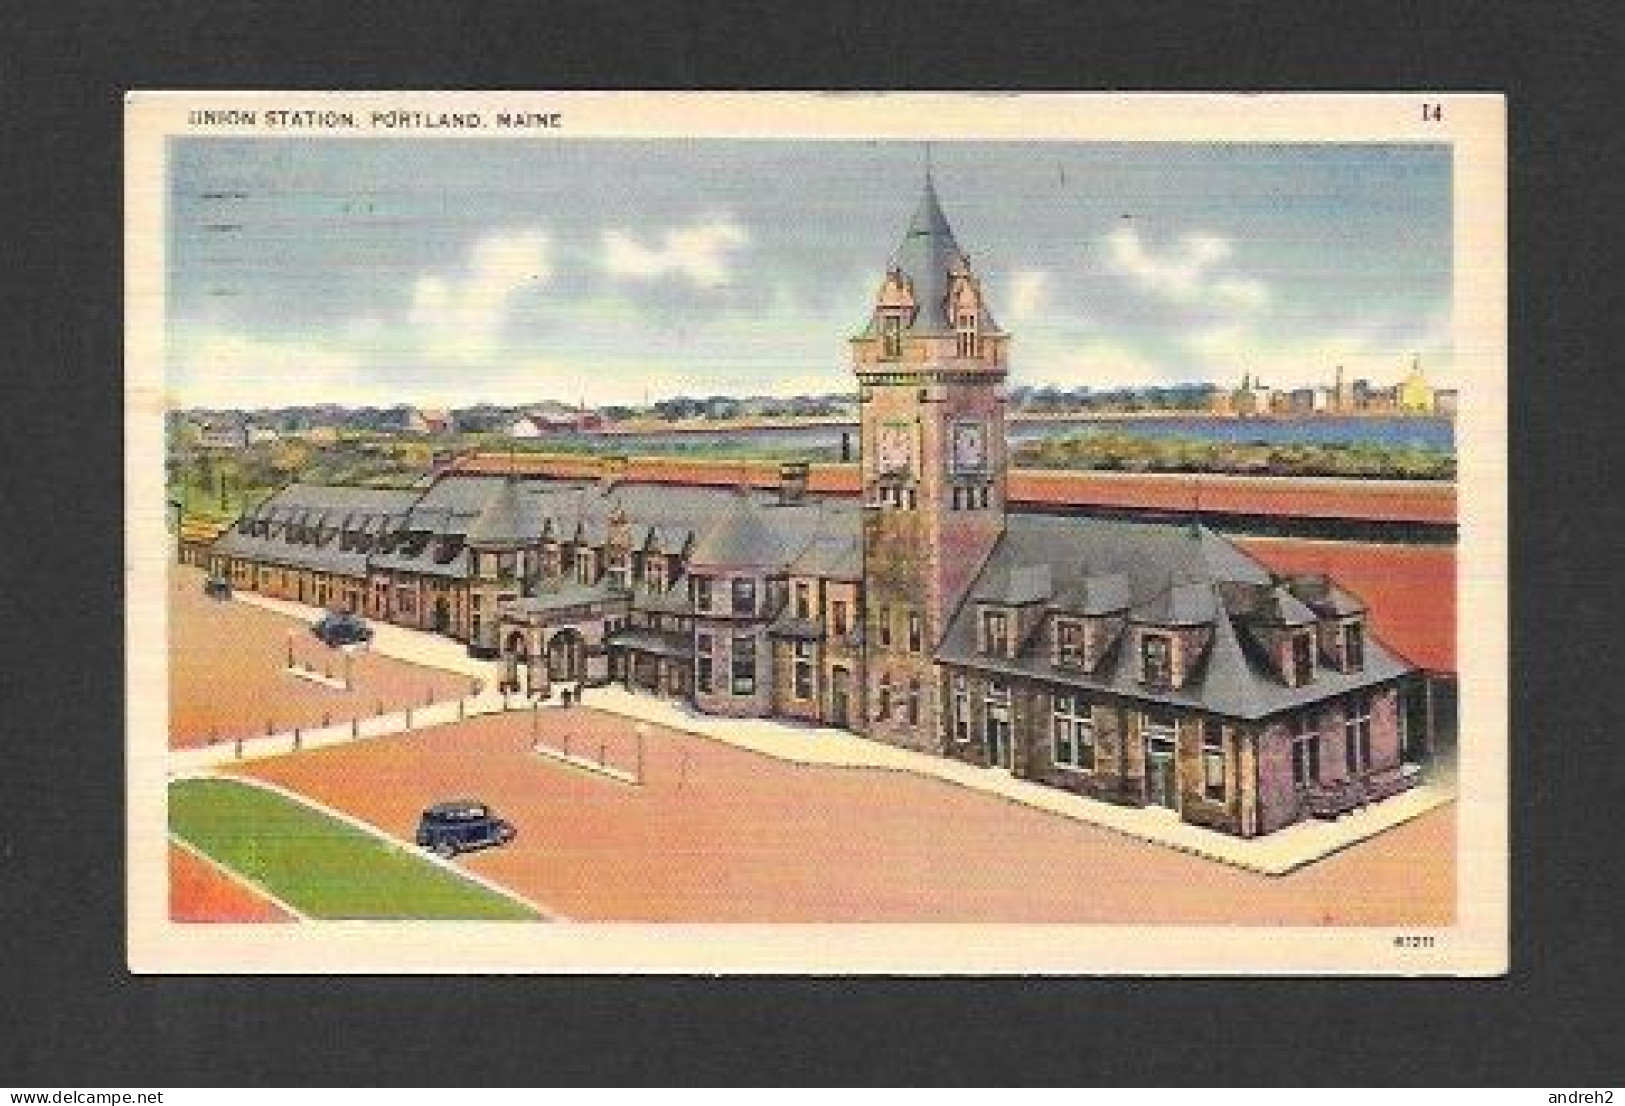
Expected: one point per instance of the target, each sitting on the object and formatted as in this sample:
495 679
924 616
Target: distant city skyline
459 272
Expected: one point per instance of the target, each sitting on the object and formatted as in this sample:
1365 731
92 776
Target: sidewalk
1277 854
203 757
416 646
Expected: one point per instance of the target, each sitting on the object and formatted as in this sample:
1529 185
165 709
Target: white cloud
460 317
1184 273
1029 292
697 253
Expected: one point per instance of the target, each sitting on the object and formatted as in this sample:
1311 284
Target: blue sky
451 272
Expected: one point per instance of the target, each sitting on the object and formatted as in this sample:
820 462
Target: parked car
341 628
454 827
217 587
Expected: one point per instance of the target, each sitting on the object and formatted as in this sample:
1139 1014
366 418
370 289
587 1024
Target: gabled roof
499 525
738 537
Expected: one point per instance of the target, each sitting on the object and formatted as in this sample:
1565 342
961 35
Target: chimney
792 481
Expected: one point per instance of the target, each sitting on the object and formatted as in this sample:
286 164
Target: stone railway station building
1143 662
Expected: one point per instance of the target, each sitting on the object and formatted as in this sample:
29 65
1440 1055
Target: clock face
894 448
970 446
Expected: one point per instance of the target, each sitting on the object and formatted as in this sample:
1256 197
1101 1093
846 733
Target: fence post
297 739
239 747
355 726
460 708
600 754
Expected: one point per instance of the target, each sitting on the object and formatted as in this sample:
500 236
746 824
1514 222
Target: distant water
1413 432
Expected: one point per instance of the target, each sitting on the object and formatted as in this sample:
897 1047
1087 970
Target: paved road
721 834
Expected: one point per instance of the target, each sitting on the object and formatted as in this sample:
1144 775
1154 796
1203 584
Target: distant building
1414 394
222 432
1253 397
429 421
259 433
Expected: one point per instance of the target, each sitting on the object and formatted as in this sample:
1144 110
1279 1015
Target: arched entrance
516 662
567 656
442 615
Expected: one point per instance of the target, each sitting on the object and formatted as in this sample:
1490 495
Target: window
654 572
1305 752
744 666
1213 759
891 328
702 666
961 719
617 578
915 632
586 569
1357 734
1072 732
996 633
883 697
702 592
883 625
966 330
914 702
1156 660
1303 660
1353 647
804 670
803 600
744 595
1069 642
837 617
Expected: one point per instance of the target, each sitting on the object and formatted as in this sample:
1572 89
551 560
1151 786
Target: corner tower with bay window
931 365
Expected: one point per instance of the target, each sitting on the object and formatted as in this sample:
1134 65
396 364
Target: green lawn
319 865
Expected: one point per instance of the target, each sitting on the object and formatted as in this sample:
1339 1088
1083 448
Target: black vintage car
341 628
217 587
454 827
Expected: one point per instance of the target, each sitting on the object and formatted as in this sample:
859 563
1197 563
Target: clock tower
931 365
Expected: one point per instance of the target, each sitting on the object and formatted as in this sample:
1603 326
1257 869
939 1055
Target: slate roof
1169 571
926 255
500 524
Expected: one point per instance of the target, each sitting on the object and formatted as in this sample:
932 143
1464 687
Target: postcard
816 533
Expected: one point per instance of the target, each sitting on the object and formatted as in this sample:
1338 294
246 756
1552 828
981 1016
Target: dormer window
700 586
586 568
965 329
1069 643
1156 660
744 595
891 336
654 572
803 600
1303 659
996 633
1353 646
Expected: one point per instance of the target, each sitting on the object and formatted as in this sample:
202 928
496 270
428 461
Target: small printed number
1414 941
1432 113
